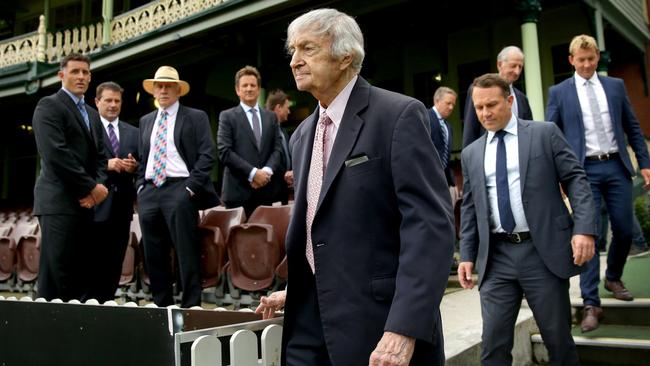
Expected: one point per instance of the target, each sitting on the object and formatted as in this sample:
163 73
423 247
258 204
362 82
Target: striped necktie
445 144
115 143
160 151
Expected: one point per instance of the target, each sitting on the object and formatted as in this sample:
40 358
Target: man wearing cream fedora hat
177 155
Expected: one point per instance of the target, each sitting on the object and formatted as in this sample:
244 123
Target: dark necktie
445 144
115 143
503 192
257 130
285 148
82 109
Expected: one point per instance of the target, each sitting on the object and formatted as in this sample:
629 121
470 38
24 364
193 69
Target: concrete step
607 345
635 312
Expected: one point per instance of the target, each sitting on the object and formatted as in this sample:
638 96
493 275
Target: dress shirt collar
171 110
437 113
581 81
337 107
106 122
511 127
75 99
247 108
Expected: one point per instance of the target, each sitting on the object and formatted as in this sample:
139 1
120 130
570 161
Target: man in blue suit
113 216
444 100
595 114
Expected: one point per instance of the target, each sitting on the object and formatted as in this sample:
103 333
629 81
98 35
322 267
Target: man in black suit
370 243
516 226
444 100
113 216
510 63
73 169
176 155
250 146
279 103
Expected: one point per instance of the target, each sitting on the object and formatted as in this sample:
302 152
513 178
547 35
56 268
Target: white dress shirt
175 166
249 116
591 137
116 129
515 106
512 153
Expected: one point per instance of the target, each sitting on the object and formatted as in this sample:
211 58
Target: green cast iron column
530 11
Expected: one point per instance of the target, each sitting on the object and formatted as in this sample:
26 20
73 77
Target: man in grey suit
516 225
250 146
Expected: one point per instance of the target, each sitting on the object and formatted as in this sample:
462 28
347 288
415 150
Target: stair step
635 312
607 345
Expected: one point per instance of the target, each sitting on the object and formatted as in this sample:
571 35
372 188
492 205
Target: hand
115 165
583 247
87 202
272 303
645 173
129 164
393 350
465 274
260 179
288 177
99 193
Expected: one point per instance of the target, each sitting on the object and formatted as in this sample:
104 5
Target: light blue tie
82 109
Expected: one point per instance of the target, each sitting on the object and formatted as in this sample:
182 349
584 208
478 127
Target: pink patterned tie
160 151
315 182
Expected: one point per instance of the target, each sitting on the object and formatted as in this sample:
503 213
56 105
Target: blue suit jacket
545 159
564 109
121 186
383 230
438 142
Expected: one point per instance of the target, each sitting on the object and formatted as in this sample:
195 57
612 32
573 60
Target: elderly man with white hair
510 63
371 238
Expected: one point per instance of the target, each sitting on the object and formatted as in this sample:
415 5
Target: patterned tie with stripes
160 151
115 143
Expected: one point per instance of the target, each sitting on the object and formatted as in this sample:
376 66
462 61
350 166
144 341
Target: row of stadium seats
236 254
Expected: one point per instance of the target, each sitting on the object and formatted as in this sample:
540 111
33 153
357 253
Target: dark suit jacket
121 186
239 153
545 159
438 142
192 136
383 230
73 160
564 109
473 129
280 188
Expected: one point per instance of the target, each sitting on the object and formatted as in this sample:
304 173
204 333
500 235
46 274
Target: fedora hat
166 74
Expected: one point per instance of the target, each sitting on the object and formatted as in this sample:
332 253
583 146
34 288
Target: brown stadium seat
213 232
28 247
276 216
7 252
254 255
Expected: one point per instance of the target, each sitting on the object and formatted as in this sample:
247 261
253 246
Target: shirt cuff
252 174
268 170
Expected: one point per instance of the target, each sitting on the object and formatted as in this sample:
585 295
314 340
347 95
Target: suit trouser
108 250
64 263
169 219
610 182
515 270
307 343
